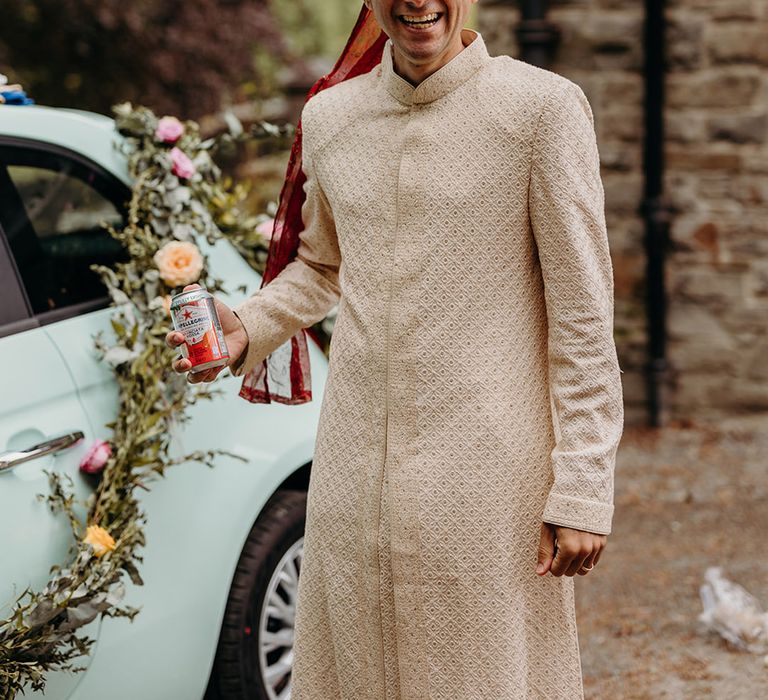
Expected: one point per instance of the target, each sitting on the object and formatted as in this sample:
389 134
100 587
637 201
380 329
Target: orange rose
101 541
179 263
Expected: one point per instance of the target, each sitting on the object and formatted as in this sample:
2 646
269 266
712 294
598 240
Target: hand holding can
207 332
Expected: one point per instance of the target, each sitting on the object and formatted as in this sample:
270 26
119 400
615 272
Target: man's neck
416 73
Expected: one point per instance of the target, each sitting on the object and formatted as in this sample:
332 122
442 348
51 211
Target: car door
50 232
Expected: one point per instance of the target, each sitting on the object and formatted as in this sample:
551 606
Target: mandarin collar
445 79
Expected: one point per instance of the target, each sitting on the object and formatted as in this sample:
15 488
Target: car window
52 210
14 308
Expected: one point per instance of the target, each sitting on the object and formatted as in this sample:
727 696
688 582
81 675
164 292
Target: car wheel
255 653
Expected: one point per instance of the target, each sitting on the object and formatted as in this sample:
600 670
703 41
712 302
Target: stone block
700 396
685 45
685 126
737 42
615 39
728 242
755 162
623 192
681 192
757 362
739 128
734 87
626 232
722 9
628 269
630 5
619 156
702 159
746 240
739 394
709 287
698 340
707 236
746 322
744 189
622 122
497 25
621 88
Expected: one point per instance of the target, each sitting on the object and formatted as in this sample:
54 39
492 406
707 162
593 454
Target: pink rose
265 228
96 457
169 130
182 166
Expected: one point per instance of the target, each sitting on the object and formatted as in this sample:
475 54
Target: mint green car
224 545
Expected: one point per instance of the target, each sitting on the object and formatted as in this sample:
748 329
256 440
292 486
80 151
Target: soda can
194 316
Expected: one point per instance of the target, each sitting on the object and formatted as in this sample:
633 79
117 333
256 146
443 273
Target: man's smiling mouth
419 21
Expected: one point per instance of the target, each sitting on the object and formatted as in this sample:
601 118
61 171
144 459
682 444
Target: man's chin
422 49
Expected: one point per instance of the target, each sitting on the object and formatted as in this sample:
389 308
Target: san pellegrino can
194 316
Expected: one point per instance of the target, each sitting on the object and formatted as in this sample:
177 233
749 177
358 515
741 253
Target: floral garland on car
179 197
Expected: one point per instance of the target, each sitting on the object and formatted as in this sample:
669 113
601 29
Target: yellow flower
101 541
179 263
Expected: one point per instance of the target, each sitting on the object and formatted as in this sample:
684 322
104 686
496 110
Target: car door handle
9 460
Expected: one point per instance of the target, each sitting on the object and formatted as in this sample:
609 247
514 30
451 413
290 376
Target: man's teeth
420 19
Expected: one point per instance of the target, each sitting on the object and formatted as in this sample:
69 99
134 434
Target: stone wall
716 181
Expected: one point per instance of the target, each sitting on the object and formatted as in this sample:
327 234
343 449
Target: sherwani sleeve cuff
578 513
255 352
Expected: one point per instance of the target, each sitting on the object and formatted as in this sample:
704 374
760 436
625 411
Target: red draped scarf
284 376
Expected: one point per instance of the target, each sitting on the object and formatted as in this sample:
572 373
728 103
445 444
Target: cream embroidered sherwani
473 386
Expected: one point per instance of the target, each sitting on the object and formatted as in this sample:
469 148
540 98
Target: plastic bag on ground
733 613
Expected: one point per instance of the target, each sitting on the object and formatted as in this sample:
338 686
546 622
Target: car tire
274 543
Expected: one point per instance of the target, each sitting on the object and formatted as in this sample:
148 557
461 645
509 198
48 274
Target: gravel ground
687 497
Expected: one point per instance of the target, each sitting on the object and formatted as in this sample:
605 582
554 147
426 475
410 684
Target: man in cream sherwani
463 471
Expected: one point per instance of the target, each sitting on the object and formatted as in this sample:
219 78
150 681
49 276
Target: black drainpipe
655 210
537 36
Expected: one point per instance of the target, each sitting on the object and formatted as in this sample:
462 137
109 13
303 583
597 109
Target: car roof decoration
13 94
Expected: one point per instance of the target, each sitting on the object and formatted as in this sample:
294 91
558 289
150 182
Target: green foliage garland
43 632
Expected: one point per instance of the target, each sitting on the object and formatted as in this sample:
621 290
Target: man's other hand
564 550
235 337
